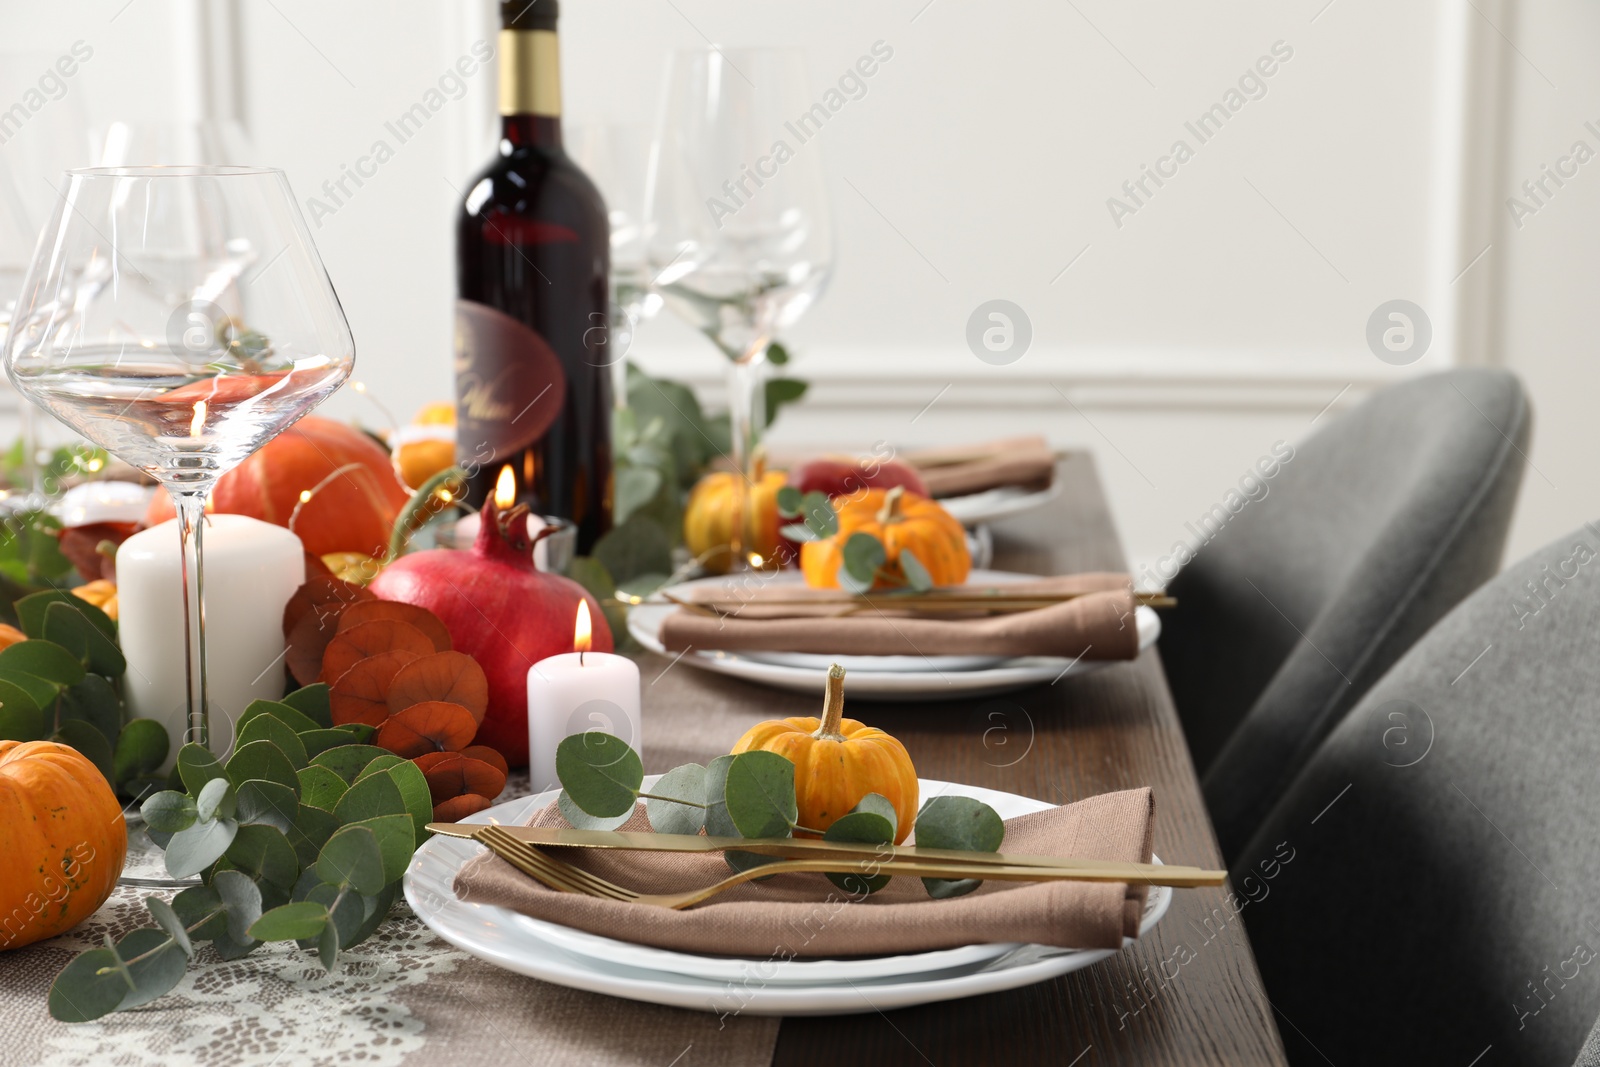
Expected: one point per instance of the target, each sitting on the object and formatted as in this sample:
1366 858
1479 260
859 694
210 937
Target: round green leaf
312 702
201 911
40 690
760 794
321 787
20 718
89 987
380 763
264 760
141 747
88 741
789 502
31 610
820 518
917 576
413 786
582 820
264 853
156 974
866 824
168 920
347 761
396 842
267 804
351 857
369 797
282 711
312 828
687 782
862 556
216 800
291 922
193 850
43 659
169 811
328 946
377 907
197 766
718 823
94 701
600 772
69 625
268 727
959 823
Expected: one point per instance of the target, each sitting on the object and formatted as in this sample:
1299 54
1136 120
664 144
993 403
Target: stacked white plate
890 678
724 984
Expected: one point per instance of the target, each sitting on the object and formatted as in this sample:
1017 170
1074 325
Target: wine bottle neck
530 75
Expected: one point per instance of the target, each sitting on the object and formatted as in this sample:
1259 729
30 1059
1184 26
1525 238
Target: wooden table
1188 994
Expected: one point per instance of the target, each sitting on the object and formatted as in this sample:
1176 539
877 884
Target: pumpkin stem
890 512
832 706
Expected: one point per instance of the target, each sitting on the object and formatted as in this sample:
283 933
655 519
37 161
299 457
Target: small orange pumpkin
837 761
355 495
901 521
62 840
708 518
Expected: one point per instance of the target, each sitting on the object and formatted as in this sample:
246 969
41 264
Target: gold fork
564 877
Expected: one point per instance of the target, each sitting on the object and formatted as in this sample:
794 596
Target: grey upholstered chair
1380 522
1441 893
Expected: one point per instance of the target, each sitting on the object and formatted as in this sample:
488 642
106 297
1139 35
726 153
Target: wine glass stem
747 417
191 507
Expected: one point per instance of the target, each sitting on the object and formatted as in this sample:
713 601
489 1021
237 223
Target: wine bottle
533 386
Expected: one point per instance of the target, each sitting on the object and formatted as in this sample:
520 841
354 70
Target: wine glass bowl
180 317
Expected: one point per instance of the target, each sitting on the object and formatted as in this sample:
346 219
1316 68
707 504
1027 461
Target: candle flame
505 488
583 633
199 421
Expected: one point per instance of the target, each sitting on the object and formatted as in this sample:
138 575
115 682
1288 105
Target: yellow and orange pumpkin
902 521
708 518
354 496
837 761
62 840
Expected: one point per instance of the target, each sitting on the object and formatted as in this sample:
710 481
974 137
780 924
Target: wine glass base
146 865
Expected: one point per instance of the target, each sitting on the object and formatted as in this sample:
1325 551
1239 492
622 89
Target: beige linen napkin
796 915
1097 625
959 470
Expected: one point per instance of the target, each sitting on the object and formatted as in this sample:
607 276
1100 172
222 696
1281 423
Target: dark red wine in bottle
533 387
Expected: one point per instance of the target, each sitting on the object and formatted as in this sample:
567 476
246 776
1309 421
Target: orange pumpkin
837 761
355 495
902 521
62 840
708 518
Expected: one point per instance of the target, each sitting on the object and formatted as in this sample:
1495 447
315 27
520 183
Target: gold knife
803 848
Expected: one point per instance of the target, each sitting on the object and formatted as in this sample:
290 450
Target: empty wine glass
180 318
739 237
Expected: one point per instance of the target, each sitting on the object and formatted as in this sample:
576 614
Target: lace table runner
402 997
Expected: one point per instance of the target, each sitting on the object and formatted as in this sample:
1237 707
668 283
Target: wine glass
616 155
739 237
180 318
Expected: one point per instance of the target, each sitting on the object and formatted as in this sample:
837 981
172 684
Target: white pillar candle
574 693
252 568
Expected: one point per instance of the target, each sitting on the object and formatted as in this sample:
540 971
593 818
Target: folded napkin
805 915
1096 625
960 470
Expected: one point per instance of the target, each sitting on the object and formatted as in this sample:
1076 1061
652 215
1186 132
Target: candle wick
581 651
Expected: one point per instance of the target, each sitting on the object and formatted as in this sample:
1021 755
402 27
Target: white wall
1226 313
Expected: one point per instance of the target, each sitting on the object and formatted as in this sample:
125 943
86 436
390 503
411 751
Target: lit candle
574 693
465 531
103 502
252 568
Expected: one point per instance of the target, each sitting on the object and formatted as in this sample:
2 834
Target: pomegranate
502 611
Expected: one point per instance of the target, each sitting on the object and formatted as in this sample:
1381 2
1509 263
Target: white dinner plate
887 678
992 505
724 984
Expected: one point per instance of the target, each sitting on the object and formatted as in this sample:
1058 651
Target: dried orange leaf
320 590
451 774
421 618
452 676
457 808
491 756
369 639
362 693
432 726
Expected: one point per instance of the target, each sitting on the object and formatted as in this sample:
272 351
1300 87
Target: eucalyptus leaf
90 742
43 692
413 786
958 823
312 829
638 546
318 741
216 800
819 516
201 911
321 787
169 811
377 795
279 711
31 612
141 748
271 728
600 772
43 659
290 922
635 487
227 947
760 794
267 804
69 625
867 825
241 896
20 718
396 842
796 532
90 986
197 766
312 701
380 763
582 820
94 701
862 555
917 576
347 761
168 920
378 906
718 822
351 857
328 946
193 850
264 760
687 782
790 502
157 973
264 853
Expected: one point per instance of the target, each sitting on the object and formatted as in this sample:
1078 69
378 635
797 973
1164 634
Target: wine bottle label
509 384
530 73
